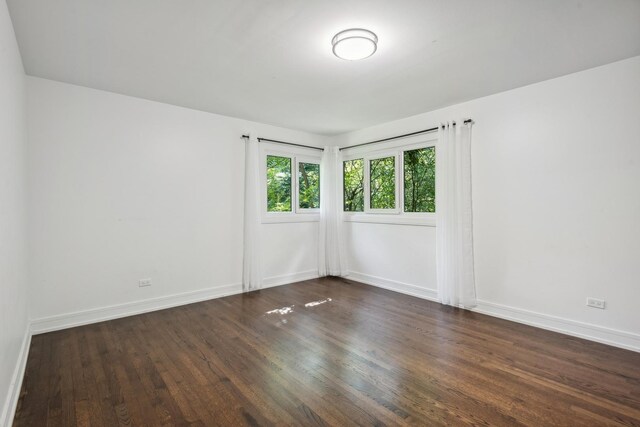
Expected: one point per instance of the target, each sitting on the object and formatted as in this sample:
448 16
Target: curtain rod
286 143
399 136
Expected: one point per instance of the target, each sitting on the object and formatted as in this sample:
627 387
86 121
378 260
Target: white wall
123 189
13 236
556 199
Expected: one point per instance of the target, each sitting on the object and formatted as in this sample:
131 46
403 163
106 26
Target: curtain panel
331 251
454 216
251 263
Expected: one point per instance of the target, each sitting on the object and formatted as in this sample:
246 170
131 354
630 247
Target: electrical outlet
595 303
144 282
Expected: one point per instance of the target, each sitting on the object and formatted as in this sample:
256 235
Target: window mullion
398 172
401 182
367 185
295 184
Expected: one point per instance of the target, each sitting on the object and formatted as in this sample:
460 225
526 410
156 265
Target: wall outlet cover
596 303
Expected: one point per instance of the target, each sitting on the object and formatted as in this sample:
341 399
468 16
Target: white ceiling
271 61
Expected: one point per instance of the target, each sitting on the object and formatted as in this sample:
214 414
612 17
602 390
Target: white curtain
331 252
251 267
454 217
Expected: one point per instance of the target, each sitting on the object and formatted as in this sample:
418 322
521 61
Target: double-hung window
290 185
395 184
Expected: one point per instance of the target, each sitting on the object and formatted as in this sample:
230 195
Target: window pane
383 183
278 184
309 185
420 180
353 183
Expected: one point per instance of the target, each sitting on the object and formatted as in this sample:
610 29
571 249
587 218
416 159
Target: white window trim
296 155
389 216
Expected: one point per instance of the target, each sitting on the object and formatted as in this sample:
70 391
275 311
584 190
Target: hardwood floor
366 357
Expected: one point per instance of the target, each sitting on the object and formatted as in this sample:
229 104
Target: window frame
265 196
307 160
342 200
367 183
297 155
411 148
388 216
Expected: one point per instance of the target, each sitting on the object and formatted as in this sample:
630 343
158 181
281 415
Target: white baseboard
588 331
9 408
285 279
392 285
84 317
614 337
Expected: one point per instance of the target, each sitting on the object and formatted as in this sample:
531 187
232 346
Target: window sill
290 217
397 219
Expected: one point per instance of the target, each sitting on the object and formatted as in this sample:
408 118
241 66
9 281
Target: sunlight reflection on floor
314 303
287 310
283 310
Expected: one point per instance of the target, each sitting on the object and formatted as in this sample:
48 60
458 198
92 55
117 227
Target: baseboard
11 403
393 285
84 317
613 337
588 331
285 279
100 314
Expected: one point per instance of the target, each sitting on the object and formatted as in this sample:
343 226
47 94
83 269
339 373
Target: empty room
332 213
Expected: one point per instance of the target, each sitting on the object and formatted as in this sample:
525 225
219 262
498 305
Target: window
420 180
399 182
308 185
353 185
291 185
382 185
278 184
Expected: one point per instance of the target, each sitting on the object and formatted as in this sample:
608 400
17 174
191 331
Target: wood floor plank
357 355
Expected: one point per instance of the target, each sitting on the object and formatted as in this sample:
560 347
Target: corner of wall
13 395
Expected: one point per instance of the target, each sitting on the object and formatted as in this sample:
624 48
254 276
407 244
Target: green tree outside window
309 185
382 175
420 180
353 185
278 184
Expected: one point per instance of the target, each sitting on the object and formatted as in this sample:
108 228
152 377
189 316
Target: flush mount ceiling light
354 44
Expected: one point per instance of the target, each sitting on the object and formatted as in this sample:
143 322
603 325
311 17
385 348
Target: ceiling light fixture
354 44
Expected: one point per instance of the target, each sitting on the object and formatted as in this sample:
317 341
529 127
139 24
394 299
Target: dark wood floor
367 357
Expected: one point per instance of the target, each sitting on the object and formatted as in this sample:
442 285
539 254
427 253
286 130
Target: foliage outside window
308 185
382 173
420 180
353 185
396 186
278 184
